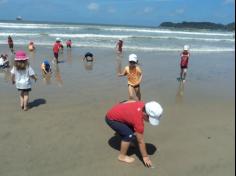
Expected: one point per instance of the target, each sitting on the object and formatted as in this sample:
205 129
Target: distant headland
199 25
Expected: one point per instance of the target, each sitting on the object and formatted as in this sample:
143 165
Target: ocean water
105 36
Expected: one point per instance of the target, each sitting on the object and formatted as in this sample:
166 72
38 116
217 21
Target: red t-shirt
128 113
184 59
56 47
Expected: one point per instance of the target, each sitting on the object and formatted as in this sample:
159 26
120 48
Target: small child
21 74
10 43
119 46
31 46
184 63
68 43
46 68
89 57
56 48
4 62
134 74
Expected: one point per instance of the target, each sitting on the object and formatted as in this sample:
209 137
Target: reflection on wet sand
47 78
57 75
180 93
119 58
88 65
69 56
6 74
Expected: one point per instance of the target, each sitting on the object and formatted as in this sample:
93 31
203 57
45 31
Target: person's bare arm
143 150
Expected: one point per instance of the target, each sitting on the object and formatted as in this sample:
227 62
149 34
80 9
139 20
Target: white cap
154 111
186 47
133 58
58 39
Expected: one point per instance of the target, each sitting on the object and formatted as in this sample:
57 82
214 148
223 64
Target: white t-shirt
22 77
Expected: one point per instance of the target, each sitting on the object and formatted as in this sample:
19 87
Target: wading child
21 74
46 68
134 75
184 63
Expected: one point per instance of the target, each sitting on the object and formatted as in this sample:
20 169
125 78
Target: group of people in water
125 118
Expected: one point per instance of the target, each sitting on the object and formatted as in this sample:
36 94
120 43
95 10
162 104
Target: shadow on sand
36 103
115 141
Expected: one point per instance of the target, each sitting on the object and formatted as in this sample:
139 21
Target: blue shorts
125 131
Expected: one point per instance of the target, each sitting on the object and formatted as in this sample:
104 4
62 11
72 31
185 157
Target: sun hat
186 47
21 56
154 111
133 58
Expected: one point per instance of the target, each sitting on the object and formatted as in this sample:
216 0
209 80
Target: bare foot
126 159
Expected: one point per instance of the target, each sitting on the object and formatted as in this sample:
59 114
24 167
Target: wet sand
64 133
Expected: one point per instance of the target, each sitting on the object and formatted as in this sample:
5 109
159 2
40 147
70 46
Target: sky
126 12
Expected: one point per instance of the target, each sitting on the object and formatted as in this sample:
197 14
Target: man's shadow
37 102
115 141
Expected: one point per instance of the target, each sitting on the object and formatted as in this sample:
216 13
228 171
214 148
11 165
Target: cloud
93 6
229 1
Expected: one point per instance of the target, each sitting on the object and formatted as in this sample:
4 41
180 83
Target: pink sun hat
21 56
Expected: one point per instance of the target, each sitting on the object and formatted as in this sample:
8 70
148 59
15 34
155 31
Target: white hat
133 58
154 111
186 47
58 39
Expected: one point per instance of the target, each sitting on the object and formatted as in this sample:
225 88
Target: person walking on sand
10 44
119 46
134 74
21 74
127 120
184 63
56 48
69 43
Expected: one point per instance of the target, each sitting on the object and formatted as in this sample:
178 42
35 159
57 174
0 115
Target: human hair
21 65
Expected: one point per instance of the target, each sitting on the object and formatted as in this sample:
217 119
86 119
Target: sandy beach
64 133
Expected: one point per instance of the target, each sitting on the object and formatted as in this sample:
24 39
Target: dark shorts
138 86
184 67
68 46
56 55
125 131
24 90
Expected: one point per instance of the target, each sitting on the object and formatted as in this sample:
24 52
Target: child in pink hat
21 74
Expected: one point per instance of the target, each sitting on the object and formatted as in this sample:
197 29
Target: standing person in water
134 75
69 43
31 46
56 48
119 46
10 44
184 63
21 74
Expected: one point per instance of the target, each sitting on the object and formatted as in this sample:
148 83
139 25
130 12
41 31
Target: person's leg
181 73
26 100
185 74
131 92
127 135
22 99
123 152
138 92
